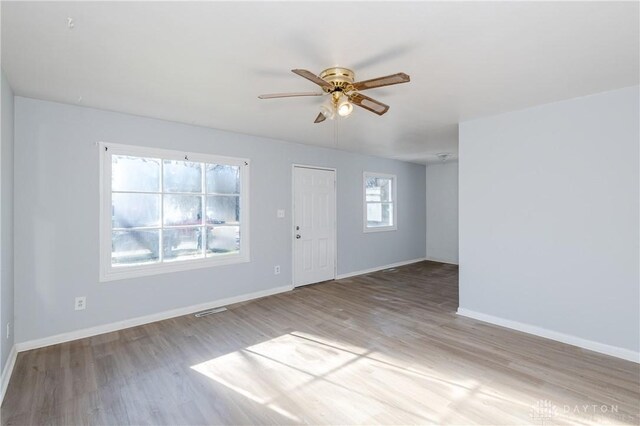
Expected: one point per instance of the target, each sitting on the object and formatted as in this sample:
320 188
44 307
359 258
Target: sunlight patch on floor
307 378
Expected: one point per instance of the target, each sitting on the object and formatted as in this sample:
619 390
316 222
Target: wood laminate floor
386 347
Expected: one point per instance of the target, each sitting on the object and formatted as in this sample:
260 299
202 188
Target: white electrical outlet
276 270
81 303
280 214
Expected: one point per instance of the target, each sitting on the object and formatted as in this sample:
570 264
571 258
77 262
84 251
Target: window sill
380 229
114 274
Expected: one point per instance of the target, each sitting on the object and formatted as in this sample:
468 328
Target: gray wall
442 212
56 217
6 220
549 217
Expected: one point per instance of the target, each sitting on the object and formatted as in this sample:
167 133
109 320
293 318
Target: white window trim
394 201
110 273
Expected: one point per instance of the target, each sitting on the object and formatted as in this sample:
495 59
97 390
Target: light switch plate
280 213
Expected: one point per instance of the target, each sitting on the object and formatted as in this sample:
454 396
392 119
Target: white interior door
314 224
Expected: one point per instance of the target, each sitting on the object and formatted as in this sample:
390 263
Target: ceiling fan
339 83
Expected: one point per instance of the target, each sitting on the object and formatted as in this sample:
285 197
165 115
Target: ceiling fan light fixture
327 111
345 108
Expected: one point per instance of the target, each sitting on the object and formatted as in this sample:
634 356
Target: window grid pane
183 243
182 176
379 189
222 240
379 214
223 209
222 179
135 174
134 247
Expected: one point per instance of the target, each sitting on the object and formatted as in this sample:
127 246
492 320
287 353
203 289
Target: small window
379 202
166 211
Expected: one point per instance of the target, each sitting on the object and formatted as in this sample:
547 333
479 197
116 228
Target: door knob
297 236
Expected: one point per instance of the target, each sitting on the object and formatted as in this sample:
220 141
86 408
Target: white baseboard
435 259
120 325
6 372
379 268
569 339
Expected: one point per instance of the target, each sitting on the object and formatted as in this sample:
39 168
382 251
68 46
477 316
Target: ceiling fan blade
312 77
382 81
320 118
288 95
369 104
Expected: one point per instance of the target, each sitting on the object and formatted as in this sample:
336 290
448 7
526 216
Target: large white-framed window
165 211
380 203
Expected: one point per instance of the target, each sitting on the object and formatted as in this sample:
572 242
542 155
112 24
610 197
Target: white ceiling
205 63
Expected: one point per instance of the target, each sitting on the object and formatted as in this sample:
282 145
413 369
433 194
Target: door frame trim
335 213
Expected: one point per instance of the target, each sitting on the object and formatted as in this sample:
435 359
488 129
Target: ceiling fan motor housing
341 78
